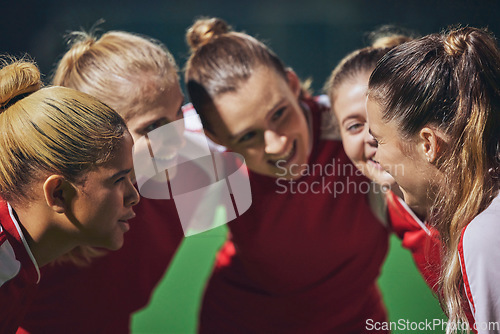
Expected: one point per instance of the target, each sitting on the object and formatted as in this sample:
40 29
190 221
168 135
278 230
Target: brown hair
221 60
451 81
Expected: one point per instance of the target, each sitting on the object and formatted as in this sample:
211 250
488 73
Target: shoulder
320 108
15 255
482 235
479 251
9 265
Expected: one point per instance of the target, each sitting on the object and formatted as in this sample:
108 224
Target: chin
385 180
115 244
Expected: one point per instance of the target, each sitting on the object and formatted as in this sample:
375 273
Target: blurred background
310 36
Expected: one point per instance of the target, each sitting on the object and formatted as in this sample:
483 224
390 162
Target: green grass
174 305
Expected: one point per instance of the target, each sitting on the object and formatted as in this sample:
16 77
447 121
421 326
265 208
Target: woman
346 89
433 107
305 257
137 76
65 181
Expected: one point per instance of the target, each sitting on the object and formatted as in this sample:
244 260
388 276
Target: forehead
120 159
165 103
252 101
373 113
350 98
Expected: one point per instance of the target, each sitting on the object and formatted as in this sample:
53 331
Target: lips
127 217
286 157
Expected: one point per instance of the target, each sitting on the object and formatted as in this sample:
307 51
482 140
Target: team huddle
412 125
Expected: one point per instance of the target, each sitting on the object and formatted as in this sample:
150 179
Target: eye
355 127
120 179
278 114
155 125
247 136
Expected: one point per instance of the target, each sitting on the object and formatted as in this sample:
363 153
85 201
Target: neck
45 239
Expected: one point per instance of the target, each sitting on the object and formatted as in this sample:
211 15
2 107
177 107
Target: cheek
296 121
354 147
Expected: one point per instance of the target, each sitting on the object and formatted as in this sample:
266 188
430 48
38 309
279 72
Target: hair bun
17 79
390 36
80 42
390 41
457 42
204 30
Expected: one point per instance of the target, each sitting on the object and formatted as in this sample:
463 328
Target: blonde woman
65 180
434 107
136 76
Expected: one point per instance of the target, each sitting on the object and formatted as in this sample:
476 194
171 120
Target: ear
293 82
57 193
430 143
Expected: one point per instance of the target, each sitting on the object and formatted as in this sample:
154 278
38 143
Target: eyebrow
273 109
153 121
352 117
120 173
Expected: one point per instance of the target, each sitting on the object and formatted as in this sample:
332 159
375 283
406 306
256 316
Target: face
264 122
350 109
163 110
415 175
103 203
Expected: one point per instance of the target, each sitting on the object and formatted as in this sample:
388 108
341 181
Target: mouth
374 163
124 224
285 158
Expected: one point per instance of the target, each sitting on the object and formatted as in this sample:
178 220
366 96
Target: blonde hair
124 70
50 130
449 80
364 60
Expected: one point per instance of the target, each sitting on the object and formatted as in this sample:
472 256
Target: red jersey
420 239
306 256
100 297
19 272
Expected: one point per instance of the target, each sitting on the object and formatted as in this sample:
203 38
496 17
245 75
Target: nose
369 138
274 142
132 196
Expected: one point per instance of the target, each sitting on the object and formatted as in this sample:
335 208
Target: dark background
311 36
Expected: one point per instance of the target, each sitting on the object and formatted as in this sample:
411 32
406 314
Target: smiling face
406 161
350 109
264 122
103 203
